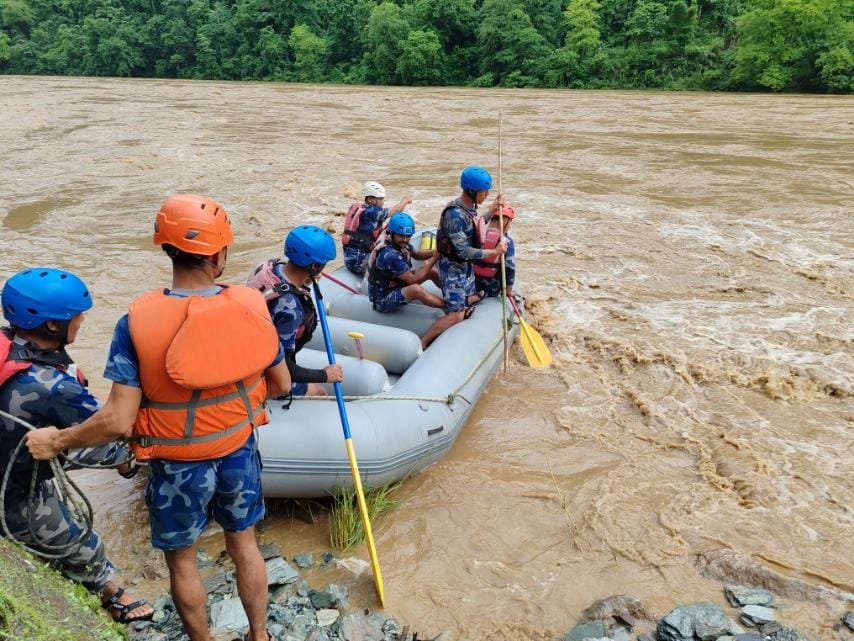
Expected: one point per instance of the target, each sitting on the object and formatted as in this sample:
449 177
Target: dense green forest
778 45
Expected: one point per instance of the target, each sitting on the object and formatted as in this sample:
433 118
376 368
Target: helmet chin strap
314 269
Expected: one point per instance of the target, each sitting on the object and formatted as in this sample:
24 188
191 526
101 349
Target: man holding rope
191 367
41 385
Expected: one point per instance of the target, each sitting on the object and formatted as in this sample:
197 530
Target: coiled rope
78 504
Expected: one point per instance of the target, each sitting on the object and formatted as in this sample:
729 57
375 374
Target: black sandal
479 296
468 312
123 609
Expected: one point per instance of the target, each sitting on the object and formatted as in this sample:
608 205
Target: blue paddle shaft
330 355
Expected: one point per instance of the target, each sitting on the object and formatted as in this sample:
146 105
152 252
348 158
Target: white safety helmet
374 189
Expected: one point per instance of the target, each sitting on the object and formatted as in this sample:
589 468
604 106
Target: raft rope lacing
449 399
78 504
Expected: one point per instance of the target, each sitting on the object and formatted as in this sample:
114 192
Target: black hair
184 260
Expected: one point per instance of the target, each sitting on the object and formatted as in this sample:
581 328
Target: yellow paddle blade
366 520
533 346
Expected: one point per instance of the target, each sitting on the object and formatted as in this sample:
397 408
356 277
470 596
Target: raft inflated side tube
413 318
395 349
361 378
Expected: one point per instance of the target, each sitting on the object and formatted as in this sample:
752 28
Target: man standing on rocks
191 367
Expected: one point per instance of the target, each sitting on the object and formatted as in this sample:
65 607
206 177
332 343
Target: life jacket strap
147 441
195 401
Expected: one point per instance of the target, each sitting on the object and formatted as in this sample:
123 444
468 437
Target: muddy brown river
688 257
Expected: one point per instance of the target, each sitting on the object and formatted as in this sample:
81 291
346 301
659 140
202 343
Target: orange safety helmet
508 211
193 224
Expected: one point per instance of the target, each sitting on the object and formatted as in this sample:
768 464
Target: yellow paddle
351 452
533 346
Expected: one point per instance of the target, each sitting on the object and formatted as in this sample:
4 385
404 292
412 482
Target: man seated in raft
392 283
40 384
363 224
285 286
487 271
458 240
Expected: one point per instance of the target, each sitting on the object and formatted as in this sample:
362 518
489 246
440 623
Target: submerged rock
270 550
624 608
304 561
848 620
582 631
739 596
706 621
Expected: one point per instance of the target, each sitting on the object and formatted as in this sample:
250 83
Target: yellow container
428 240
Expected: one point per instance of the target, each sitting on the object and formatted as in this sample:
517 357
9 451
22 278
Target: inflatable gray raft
405 407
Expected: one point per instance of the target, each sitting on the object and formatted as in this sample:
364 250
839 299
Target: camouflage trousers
356 260
53 525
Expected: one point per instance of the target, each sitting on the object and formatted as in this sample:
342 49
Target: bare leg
188 591
251 580
315 389
434 276
440 326
416 292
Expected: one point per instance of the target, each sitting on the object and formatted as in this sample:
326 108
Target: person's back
307 248
363 225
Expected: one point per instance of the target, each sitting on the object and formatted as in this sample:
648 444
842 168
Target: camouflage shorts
492 286
390 302
180 493
54 526
356 260
457 284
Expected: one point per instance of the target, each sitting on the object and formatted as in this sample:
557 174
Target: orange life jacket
201 365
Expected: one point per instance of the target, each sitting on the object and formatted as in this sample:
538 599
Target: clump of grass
345 521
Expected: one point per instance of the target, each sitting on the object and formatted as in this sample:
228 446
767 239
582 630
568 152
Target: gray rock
281 593
228 614
340 593
321 600
326 617
270 550
758 614
740 595
848 620
645 637
301 626
304 560
622 607
706 621
325 559
203 560
360 627
746 636
726 637
620 634
277 630
280 573
317 635
593 630
216 582
768 629
302 588
787 634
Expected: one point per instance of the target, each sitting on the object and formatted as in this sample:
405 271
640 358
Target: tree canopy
771 45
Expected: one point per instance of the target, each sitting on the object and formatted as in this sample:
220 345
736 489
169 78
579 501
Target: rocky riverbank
299 612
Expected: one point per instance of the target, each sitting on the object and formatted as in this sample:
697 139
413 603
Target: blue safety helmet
40 294
401 223
308 244
475 179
